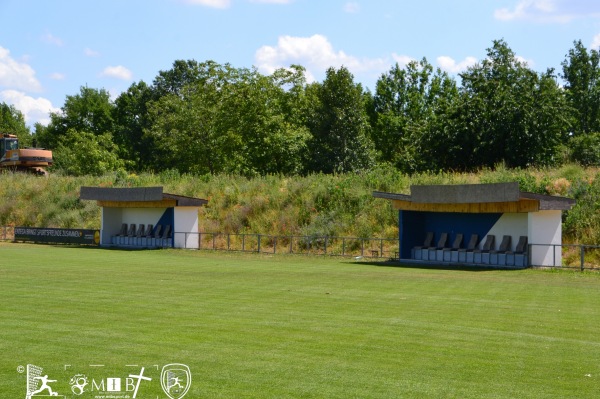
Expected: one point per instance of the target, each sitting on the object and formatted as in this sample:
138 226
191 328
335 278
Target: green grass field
256 326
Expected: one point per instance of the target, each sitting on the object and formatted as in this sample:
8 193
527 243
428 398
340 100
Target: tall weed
318 204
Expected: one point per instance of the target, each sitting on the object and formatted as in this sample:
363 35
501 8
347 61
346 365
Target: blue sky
50 48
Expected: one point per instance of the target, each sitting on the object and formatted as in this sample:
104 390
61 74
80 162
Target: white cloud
117 72
528 63
450 65
51 39
553 11
17 75
316 54
90 53
210 3
352 7
402 60
596 42
57 76
33 109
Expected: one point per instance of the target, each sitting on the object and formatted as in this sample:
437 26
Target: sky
49 49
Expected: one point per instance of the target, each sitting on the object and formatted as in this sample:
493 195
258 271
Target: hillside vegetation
319 204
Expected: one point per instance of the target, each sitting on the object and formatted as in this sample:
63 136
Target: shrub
315 205
585 149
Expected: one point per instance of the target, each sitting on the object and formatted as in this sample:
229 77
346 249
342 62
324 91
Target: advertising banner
61 236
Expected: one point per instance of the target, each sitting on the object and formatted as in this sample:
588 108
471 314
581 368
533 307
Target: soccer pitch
256 326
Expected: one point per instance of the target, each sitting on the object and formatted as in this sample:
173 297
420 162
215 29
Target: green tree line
208 118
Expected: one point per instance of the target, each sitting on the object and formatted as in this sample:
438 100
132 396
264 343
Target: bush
585 149
314 205
81 154
582 223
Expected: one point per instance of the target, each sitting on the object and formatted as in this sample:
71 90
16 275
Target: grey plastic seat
451 254
466 254
417 252
483 255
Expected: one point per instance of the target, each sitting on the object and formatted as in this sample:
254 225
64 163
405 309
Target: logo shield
175 380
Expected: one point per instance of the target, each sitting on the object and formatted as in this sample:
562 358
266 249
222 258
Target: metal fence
7 233
570 256
306 245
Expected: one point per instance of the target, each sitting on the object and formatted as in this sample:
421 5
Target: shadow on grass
434 266
90 246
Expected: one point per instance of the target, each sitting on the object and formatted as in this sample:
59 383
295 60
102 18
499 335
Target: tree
508 113
187 131
339 125
581 73
89 111
406 102
585 149
261 112
229 120
185 73
12 121
83 153
131 118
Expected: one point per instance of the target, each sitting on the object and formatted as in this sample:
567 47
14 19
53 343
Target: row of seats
487 255
143 236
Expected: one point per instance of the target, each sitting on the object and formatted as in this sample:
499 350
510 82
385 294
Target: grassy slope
339 205
291 327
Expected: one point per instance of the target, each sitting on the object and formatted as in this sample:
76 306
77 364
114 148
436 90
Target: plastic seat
466 254
417 252
483 255
451 254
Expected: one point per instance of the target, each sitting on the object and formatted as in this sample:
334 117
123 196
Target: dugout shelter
481 224
145 217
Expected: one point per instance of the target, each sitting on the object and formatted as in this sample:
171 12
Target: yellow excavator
33 160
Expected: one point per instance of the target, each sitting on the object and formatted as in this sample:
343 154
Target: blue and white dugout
527 227
145 217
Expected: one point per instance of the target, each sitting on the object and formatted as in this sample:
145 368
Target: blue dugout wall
414 225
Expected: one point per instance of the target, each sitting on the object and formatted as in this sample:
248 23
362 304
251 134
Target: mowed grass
252 326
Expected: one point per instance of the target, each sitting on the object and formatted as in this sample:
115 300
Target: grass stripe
252 326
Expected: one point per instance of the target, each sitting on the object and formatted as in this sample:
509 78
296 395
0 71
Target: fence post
582 251
381 247
362 247
228 241
258 249
325 245
274 245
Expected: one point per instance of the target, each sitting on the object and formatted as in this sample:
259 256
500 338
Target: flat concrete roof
465 193
136 194
476 194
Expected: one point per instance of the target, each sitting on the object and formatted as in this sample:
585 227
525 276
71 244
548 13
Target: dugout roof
137 197
475 198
